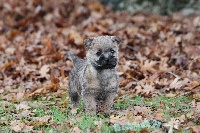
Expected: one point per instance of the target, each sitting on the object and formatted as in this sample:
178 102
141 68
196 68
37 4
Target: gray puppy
95 78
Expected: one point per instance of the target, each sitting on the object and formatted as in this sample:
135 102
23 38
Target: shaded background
163 7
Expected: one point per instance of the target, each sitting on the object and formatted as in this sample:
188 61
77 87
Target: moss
149 124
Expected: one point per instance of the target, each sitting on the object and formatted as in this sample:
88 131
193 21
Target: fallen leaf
23 105
195 129
44 71
17 126
76 130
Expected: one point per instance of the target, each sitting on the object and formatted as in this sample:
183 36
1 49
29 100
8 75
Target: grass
61 119
171 107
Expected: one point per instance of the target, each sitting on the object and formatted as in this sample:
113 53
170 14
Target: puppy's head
102 51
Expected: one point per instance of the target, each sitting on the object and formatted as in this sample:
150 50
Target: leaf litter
158 55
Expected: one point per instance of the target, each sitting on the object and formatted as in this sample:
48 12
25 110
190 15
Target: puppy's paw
108 112
91 112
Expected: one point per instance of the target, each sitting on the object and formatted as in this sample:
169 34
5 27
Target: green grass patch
61 113
57 114
125 101
106 128
170 106
6 113
94 123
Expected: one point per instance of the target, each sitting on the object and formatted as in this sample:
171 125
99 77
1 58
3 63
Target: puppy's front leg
90 104
108 103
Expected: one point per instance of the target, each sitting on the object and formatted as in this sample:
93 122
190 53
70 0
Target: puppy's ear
116 39
88 42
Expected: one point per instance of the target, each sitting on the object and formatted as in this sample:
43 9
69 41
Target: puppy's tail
73 57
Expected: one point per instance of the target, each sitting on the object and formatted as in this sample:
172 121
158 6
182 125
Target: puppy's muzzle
106 62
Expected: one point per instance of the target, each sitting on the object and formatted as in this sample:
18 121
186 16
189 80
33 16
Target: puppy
95 78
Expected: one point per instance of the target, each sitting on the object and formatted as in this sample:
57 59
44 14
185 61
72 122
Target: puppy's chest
107 79
101 79
105 76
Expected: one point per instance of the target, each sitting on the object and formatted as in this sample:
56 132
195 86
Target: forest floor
159 68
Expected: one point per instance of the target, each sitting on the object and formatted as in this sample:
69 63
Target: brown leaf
76 130
44 71
20 95
159 116
195 129
76 37
23 105
149 66
13 33
48 42
17 126
6 65
118 119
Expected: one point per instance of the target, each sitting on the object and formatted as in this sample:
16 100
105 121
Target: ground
159 68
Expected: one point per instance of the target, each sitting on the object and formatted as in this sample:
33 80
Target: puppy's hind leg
75 98
73 93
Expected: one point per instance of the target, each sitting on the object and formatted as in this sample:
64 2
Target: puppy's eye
99 52
112 51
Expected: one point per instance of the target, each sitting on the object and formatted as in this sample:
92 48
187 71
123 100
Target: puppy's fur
95 78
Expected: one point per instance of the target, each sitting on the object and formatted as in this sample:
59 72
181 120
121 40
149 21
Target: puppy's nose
106 59
102 57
